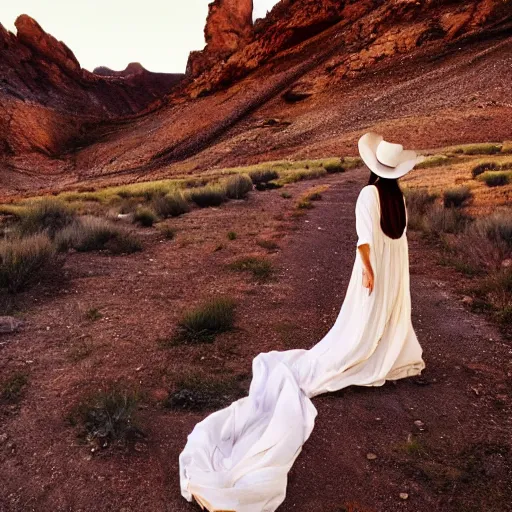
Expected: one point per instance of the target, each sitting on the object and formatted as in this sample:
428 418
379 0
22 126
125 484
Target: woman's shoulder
368 193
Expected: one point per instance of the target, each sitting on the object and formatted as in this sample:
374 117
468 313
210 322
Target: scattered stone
507 263
419 424
10 324
371 456
467 300
3 438
404 495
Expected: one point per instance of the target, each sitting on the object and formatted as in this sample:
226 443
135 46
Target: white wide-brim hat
386 159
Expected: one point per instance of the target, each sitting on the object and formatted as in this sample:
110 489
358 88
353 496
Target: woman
238 458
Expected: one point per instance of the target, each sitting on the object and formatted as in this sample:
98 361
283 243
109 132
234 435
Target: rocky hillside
304 82
46 97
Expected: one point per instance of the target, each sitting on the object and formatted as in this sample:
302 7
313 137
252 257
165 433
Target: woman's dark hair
392 207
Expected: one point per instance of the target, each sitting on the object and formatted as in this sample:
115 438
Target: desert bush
481 168
439 219
304 203
263 176
238 186
96 234
478 149
172 204
46 215
145 217
286 195
268 244
418 200
433 161
456 197
25 260
204 322
231 235
260 268
12 388
496 179
332 166
210 195
108 417
301 174
197 392
168 231
93 314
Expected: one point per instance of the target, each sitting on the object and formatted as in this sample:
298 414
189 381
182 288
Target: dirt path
459 461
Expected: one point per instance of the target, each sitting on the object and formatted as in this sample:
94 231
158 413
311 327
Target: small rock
3 438
507 263
371 456
404 495
467 300
9 324
419 423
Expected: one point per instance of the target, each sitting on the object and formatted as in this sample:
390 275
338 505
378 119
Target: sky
157 33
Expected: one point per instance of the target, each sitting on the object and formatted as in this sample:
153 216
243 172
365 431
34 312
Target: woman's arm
364 251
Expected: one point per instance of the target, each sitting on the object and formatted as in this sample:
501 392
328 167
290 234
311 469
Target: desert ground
103 322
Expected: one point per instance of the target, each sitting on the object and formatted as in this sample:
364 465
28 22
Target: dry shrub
197 392
263 176
23 261
107 417
487 241
456 196
238 186
172 204
46 215
210 195
145 217
481 168
496 179
96 234
204 322
439 219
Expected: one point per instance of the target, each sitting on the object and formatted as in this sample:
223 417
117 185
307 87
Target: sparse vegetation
496 178
485 148
231 235
268 244
260 268
334 165
95 234
198 392
24 261
481 168
107 417
238 186
263 176
168 231
12 388
145 217
457 196
433 161
204 322
46 215
286 195
210 195
172 204
93 314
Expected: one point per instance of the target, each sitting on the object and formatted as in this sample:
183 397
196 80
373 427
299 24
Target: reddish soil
460 461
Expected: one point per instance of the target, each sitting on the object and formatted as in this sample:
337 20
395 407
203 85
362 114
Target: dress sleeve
364 221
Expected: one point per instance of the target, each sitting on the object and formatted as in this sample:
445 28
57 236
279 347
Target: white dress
238 458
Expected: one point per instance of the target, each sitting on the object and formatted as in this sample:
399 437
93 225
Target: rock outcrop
46 97
365 32
228 28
